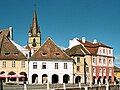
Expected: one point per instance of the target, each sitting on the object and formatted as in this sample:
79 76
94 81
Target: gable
49 50
9 50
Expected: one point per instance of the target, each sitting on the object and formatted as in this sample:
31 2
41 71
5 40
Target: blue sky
63 20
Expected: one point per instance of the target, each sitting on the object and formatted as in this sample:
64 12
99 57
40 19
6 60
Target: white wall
50 70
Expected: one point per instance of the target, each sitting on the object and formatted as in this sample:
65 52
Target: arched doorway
99 80
55 78
104 80
66 78
12 78
110 79
2 73
34 78
44 78
77 79
94 79
23 78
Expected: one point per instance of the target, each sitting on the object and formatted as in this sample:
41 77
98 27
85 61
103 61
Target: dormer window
44 53
16 53
57 53
7 53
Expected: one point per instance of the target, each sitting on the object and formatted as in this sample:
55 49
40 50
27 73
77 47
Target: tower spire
34 29
34 34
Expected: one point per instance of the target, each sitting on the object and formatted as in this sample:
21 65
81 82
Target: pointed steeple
34 29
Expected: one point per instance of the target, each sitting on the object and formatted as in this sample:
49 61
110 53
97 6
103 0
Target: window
65 65
78 68
104 70
16 53
44 54
44 65
103 50
7 53
57 53
109 51
4 64
100 70
100 61
78 59
34 65
13 63
22 64
104 62
94 70
110 70
94 60
110 62
56 65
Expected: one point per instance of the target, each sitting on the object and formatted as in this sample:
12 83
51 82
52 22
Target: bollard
64 87
48 87
86 88
107 86
25 88
90 84
79 85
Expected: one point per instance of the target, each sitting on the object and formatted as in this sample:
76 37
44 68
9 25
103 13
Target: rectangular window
65 65
13 63
56 65
34 65
22 64
100 61
44 65
78 68
109 51
78 59
94 60
103 50
104 62
4 64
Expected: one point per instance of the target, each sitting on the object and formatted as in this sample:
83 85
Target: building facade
100 59
50 64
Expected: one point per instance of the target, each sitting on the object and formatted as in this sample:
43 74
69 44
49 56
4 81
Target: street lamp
85 79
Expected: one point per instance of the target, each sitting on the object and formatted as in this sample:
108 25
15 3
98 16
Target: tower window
34 43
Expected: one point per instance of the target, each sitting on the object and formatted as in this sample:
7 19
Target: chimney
83 39
11 32
94 41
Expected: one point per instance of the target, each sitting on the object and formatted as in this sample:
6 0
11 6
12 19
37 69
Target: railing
60 87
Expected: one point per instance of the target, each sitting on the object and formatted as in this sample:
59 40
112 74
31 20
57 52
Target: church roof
9 51
34 29
50 51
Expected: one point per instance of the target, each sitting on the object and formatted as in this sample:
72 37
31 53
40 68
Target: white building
50 64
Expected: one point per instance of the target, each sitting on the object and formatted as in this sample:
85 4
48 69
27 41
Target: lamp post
85 79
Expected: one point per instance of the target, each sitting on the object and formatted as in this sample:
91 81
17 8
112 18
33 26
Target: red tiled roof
78 50
49 51
93 47
9 51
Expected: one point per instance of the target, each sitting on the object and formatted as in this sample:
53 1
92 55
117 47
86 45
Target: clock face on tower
34 43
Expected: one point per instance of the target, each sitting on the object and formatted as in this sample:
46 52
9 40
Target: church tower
34 34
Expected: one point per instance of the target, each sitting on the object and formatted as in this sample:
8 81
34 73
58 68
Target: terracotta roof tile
93 48
9 51
49 51
78 50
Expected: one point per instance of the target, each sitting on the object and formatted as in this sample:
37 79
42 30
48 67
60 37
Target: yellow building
82 66
12 61
117 72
